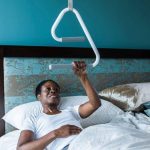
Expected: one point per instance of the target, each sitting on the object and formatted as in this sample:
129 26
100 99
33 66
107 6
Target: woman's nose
52 91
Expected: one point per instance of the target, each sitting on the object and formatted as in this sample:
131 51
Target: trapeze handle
73 39
64 39
66 66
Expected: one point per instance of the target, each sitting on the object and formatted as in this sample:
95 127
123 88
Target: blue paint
112 24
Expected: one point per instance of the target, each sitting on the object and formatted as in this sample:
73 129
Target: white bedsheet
125 132
9 140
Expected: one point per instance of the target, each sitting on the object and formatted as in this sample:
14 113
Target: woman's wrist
83 77
55 134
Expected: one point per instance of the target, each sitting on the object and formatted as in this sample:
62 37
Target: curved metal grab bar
73 39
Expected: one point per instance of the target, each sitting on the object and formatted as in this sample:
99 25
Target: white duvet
125 132
9 140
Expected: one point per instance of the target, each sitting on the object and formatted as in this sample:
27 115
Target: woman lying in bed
54 129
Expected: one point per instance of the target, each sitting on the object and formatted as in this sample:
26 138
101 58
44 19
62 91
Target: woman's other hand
67 130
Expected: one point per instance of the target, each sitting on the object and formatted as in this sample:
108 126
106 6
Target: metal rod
70 4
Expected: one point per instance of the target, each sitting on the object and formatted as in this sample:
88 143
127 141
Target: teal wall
112 23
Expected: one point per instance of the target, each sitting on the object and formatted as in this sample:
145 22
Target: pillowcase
147 112
104 114
127 96
147 108
147 105
18 114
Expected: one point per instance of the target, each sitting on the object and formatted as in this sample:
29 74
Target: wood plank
2 110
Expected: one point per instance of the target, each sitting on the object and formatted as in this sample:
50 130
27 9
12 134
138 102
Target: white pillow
104 114
17 115
144 92
127 96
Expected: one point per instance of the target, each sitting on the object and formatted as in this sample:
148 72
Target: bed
117 66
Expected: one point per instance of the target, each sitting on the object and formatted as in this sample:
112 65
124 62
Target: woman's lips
53 96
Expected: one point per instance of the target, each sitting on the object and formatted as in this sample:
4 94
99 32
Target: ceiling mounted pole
70 4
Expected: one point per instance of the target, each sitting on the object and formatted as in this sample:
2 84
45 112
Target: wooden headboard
58 52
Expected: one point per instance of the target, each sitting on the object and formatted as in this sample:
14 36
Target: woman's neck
50 110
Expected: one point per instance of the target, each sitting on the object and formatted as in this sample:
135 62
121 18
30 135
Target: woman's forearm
39 144
90 91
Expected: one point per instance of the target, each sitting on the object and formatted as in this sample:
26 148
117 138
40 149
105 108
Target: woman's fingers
79 65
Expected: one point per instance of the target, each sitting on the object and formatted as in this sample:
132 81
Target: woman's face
49 94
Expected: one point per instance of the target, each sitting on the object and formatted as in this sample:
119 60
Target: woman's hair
39 86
